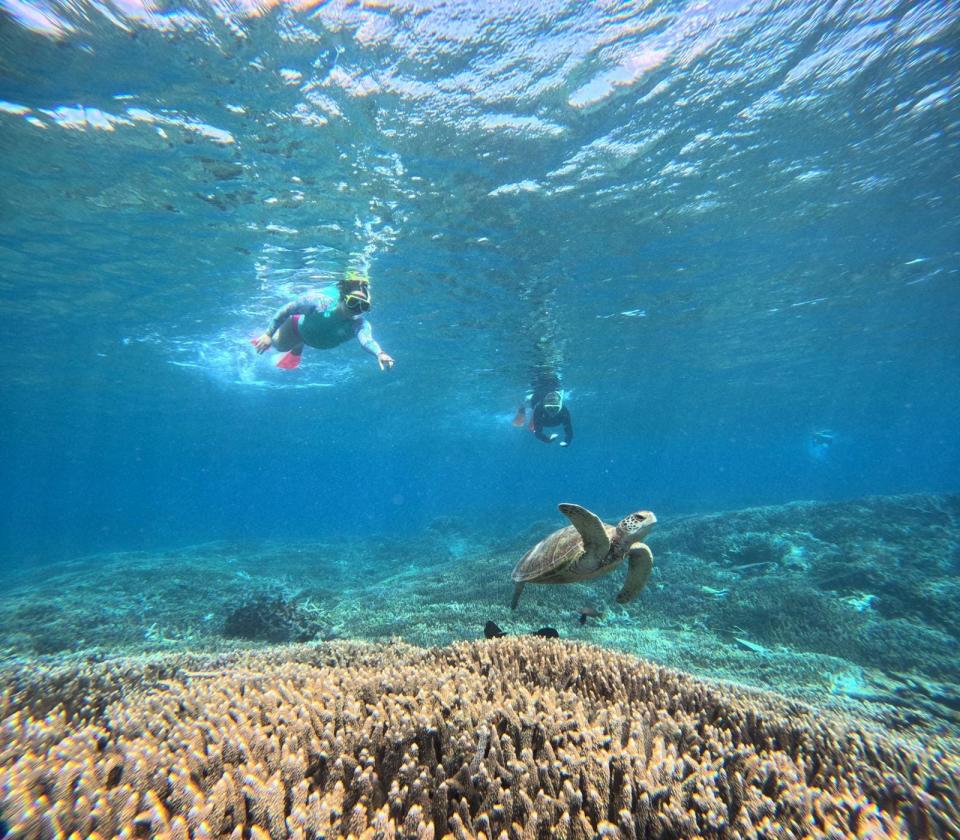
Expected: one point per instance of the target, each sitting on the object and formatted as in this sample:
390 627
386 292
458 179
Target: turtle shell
550 558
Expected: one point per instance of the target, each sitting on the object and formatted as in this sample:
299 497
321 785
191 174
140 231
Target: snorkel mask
553 402
355 292
357 301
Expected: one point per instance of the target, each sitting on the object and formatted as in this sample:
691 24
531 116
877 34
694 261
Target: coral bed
849 605
513 738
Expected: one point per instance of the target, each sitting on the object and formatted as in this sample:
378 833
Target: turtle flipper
640 559
595 540
517 592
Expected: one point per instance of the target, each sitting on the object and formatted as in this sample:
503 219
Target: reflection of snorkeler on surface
319 320
546 402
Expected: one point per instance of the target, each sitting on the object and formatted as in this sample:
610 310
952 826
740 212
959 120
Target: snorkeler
546 401
820 443
822 438
319 320
549 410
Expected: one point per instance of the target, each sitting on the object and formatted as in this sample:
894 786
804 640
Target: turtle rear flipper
596 543
640 559
517 592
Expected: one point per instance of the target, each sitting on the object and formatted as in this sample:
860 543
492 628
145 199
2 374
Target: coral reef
911 697
871 581
824 601
266 618
509 738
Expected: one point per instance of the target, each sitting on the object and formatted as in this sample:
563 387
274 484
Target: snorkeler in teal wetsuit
322 321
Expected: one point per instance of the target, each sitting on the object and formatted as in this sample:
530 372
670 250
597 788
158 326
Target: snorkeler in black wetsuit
549 411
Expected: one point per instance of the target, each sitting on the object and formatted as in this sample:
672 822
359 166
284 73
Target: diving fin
289 361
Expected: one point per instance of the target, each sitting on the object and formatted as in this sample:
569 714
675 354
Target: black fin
492 631
547 633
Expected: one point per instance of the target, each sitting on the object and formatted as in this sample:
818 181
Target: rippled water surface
729 225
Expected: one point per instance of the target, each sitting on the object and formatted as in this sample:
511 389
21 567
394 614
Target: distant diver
823 438
820 443
323 321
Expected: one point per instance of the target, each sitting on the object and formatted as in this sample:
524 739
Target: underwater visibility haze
728 231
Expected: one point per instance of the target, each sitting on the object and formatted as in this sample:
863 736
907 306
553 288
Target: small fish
546 632
588 612
492 631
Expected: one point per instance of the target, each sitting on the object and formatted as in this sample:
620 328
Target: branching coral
512 739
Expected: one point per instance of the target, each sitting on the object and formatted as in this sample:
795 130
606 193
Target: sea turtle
587 549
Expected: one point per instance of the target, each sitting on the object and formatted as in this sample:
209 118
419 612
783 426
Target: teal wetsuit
320 326
324 329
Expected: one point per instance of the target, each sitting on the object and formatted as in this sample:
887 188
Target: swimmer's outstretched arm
364 333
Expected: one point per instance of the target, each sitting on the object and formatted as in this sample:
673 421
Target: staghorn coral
508 739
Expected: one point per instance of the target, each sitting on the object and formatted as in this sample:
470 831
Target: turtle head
633 529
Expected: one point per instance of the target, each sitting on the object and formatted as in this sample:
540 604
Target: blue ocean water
731 227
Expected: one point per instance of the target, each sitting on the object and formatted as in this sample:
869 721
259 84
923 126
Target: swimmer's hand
263 343
563 443
385 360
552 438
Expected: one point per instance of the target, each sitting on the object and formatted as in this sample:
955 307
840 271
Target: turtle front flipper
517 592
640 560
596 543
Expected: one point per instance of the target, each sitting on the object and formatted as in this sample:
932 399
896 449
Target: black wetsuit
541 418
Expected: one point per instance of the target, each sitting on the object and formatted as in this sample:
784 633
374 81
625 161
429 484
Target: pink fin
289 361
254 341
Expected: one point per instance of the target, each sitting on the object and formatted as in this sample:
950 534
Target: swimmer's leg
288 336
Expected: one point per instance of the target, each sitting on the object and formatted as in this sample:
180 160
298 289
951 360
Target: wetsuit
320 326
541 419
